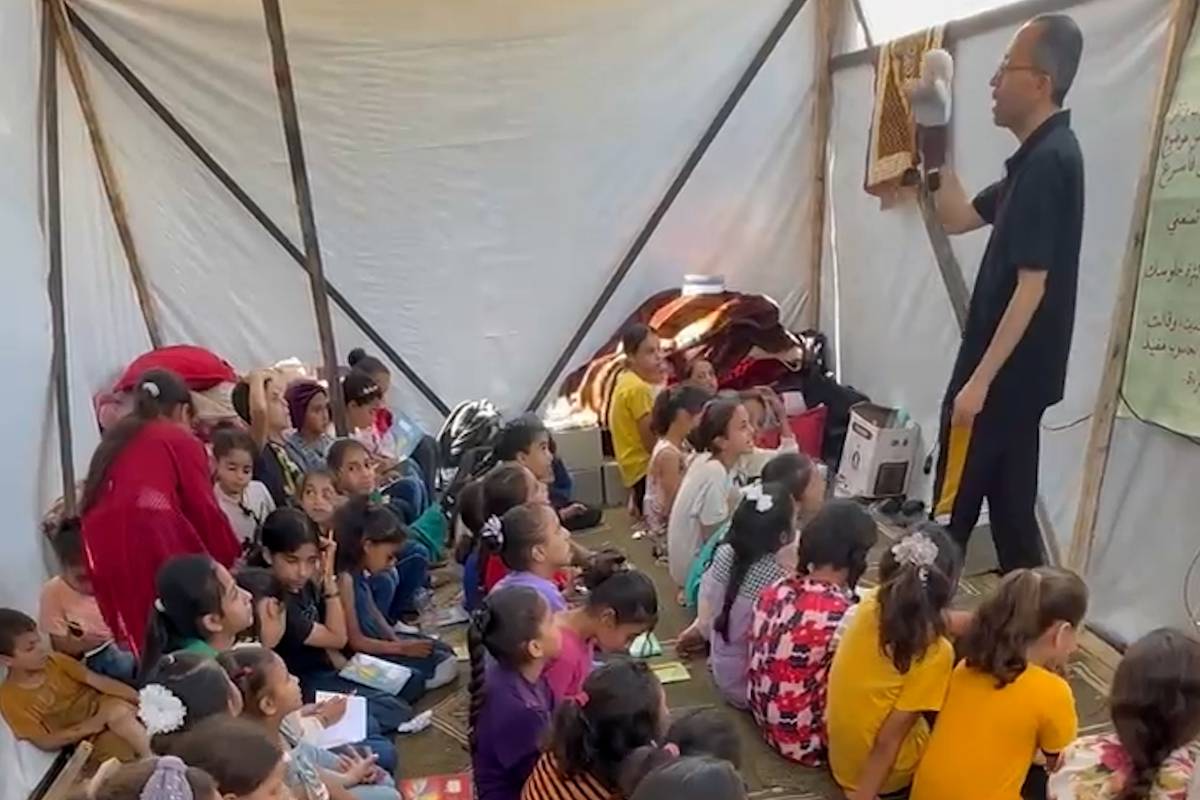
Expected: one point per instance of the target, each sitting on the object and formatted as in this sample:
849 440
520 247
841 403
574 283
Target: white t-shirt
703 502
247 515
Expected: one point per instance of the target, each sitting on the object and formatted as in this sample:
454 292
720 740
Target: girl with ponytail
892 667
1006 700
148 496
622 707
511 701
743 567
1155 707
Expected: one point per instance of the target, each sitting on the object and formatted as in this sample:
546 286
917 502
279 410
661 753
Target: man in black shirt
1012 363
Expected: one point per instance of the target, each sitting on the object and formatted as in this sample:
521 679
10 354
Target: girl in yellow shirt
891 668
1006 701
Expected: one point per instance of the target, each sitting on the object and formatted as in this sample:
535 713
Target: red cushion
199 368
808 428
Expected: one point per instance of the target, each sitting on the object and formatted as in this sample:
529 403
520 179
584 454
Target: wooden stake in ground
829 17
108 177
1183 19
308 223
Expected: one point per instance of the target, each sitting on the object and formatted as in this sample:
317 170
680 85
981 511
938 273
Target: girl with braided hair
511 701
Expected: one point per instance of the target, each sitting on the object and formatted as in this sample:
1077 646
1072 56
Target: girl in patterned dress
1155 706
792 637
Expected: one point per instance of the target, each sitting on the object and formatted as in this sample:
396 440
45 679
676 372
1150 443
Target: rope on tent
656 216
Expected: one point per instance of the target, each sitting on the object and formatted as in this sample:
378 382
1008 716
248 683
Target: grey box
616 495
589 487
579 448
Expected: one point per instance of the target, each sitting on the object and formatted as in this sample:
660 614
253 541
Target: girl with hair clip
1006 701
745 565
621 605
674 416
534 546
183 690
707 494
368 538
243 760
892 667
511 701
200 609
794 631
159 778
270 696
1155 708
622 707
148 496
505 487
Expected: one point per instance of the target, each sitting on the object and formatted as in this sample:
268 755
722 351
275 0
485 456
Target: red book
438 787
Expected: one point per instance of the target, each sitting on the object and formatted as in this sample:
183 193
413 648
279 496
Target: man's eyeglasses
1006 68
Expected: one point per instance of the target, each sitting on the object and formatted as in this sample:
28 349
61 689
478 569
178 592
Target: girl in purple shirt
511 701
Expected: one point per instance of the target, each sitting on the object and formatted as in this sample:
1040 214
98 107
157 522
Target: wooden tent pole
829 17
54 281
108 175
861 16
308 223
1183 19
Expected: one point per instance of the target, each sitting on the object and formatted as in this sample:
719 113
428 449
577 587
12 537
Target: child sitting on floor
246 502
243 760
892 667
793 634
402 479
675 415
69 614
319 498
53 701
368 538
267 601
527 442
269 695
621 605
200 609
693 777
767 416
701 374
629 409
181 691
504 488
511 701
308 409
1006 702
534 547
258 400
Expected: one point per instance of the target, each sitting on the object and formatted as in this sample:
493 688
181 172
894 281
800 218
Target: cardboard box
589 487
877 460
616 495
579 448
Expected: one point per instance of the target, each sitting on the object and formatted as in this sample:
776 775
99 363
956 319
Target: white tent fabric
896 333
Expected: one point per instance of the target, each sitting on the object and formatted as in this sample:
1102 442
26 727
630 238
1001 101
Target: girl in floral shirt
792 636
1156 712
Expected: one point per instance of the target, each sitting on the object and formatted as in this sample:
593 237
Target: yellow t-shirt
864 687
985 738
632 399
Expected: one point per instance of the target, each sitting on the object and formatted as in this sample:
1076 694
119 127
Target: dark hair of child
360 388
707 732
628 593
187 590
714 423
361 520
840 536
128 781
238 754
693 777
158 394
632 337
247 668
67 541
13 625
468 508
519 436
325 474
286 530
642 762
912 598
504 626
521 529
359 360
1025 604
340 450
230 440
261 584
671 401
503 488
793 470
754 534
622 712
199 683
1155 704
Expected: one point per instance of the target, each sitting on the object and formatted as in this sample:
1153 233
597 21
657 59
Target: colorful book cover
438 787
375 673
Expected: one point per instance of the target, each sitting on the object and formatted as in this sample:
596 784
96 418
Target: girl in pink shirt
620 607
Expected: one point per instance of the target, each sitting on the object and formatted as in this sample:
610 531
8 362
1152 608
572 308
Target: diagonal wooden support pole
304 205
57 14
1183 20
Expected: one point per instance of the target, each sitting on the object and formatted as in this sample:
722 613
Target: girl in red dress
148 497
